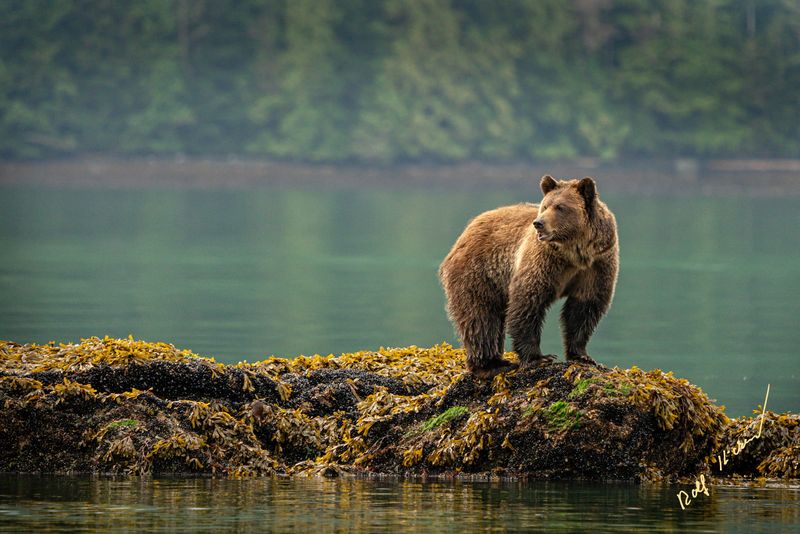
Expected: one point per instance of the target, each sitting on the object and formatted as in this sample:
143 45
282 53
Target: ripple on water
70 504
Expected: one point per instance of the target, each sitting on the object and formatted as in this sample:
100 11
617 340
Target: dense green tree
684 90
36 87
122 59
301 112
441 92
769 69
394 80
218 46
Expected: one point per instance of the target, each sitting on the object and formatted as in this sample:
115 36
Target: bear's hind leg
483 338
480 336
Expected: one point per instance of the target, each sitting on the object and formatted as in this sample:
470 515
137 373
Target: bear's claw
492 369
544 359
581 358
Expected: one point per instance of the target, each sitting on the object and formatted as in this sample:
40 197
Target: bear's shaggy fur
510 264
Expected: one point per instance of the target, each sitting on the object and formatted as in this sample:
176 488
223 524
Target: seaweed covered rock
767 445
127 406
558 420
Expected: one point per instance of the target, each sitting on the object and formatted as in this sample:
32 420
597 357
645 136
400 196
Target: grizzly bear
511 263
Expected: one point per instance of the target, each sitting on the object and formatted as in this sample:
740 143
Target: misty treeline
401 80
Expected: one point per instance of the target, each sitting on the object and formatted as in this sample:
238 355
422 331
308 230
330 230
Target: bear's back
489 243
499 228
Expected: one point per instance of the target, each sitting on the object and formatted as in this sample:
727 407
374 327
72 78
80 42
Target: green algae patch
133 407
562 416
581 386
448 415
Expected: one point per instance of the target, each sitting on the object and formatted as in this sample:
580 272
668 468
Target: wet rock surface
132 407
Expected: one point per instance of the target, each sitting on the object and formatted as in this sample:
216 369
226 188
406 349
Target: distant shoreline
749 176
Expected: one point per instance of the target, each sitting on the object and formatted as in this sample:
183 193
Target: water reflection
63 504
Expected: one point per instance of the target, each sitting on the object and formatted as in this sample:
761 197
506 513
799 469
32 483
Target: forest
392 81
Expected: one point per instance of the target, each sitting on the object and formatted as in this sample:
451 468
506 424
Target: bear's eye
558 207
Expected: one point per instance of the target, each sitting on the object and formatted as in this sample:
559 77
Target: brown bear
510 264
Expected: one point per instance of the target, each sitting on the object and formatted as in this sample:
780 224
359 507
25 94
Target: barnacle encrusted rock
127 406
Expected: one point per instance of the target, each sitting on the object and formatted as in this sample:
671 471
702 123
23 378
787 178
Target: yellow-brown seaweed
134 407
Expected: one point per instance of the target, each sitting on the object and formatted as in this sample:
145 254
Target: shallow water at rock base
80 504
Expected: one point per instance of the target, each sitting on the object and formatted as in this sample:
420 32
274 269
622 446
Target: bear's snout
538 224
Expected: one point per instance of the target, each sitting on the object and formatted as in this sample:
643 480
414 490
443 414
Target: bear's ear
588 190
548 184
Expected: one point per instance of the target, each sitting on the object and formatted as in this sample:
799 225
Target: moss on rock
448 415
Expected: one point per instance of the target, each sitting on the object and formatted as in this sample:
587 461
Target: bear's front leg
578 321
526 311
584 309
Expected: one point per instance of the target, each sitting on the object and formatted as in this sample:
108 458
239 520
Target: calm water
43 504
708 288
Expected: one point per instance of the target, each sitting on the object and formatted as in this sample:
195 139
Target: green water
708 288
45 504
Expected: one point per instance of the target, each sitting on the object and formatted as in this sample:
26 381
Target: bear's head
566 210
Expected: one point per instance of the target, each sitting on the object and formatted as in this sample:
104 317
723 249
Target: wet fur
500 277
